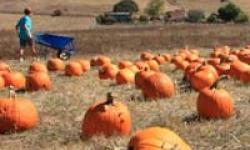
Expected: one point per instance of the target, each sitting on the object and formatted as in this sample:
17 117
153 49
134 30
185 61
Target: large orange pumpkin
108 118
15 79
37 67
55 64
125 76
215 103
38 81
73 69
157 138
17 114
85 65
108 72
158 85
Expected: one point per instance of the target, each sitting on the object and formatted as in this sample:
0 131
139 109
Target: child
24 30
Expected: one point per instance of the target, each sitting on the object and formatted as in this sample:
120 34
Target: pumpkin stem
110 98
12 92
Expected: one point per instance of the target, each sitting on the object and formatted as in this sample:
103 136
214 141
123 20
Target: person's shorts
24 43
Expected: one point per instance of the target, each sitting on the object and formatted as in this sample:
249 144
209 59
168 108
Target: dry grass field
61 111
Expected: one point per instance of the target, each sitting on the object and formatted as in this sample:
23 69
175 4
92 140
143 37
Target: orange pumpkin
108 118
4 66
85 65
157 138
146 56
202 79
191 57
141 65
108 72
55 64
168 57
213 61
245 77
102 60
191 69
153 65
73 69
158 85
2 82
133 68
159 59
141 76
38 81
215 103
15 79
124 64
37 67
237 68
223 68
17 114
125 76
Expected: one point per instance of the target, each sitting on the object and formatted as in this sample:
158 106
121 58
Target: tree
229 12
155 7
126 6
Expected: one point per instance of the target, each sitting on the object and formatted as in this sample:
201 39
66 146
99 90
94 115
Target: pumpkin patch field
136 100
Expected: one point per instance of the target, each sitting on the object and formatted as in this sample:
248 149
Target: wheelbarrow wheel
63 55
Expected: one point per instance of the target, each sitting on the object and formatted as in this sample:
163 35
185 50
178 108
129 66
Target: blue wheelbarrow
62 44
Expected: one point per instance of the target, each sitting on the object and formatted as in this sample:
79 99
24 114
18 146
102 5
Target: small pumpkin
160 59
108 72
102 60
141 76
146 56
124 64
55 64
158 85
237 68
157 138
245 77
108 118
37 67
215 103
73 69
153 65
191 69
17 114
38 81
15 79
223 68
85 65
202 79
168 57
4 66
214 61
125 76
141 65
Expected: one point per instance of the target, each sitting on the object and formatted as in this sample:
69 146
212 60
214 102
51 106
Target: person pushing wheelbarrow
24 31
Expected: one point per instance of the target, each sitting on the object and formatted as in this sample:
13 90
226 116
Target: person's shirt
23 25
